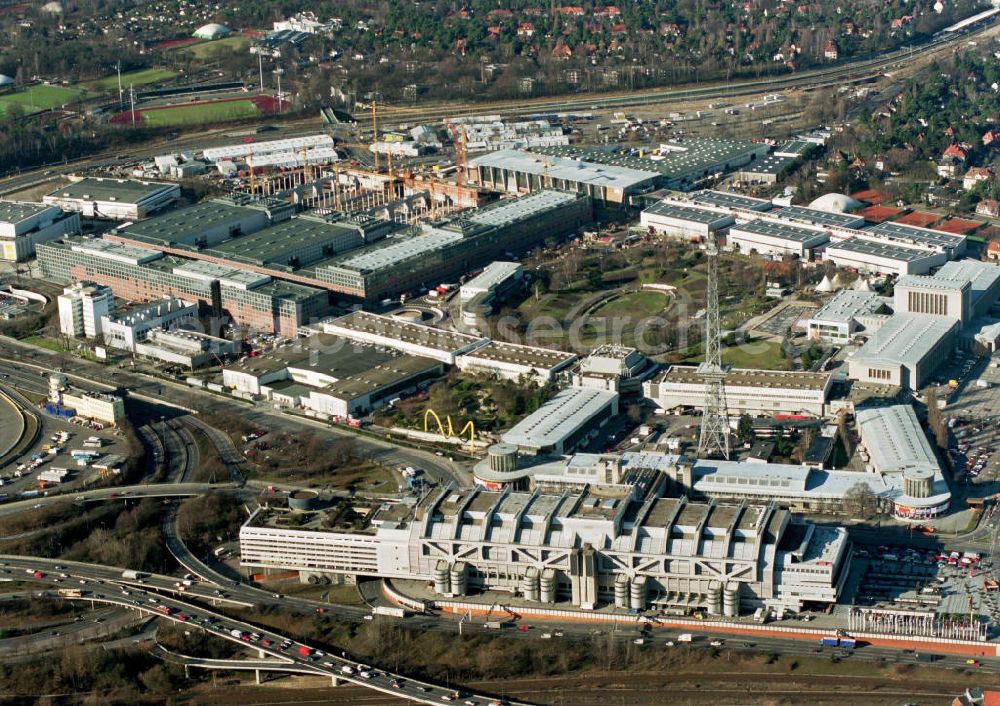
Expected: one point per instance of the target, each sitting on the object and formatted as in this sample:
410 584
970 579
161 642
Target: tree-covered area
952 103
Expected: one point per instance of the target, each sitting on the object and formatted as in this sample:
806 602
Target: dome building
836 203
212 31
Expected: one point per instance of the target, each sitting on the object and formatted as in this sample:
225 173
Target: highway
159 595
125 492
95 375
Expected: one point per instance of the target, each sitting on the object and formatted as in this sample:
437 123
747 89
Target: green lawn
40 97
141 77
206 49
198 114
756 354
641 303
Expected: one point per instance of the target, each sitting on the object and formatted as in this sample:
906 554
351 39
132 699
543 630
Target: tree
935 420
744 429
860 501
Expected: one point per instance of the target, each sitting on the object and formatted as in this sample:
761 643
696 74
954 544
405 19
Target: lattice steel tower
714 438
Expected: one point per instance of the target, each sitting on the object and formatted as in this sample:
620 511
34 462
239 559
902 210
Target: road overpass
161 596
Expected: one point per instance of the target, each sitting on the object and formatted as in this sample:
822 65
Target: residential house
989 207
830 51
975 175
952 162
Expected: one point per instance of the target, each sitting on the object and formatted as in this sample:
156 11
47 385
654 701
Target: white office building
124 330
24 224
190 349
82 308
847 314
753 392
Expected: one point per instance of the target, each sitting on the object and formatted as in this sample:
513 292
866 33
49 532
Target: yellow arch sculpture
469 427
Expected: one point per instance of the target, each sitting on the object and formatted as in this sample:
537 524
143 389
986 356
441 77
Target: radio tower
714 439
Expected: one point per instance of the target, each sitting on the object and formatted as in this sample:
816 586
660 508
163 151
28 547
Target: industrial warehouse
592 548
23 225
359 256
140 274
114 199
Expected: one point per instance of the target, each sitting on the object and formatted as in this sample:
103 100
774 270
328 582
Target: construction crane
306 168
714 438
375 131
460 138
253 177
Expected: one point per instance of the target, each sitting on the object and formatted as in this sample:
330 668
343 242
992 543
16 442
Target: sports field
198 113
40 97
205 49
142 77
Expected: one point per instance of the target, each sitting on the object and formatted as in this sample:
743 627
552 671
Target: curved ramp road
160 596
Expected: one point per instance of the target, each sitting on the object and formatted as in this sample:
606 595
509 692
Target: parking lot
974 417
50 453
949 584
782 320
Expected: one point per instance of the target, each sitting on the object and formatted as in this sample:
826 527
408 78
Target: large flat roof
273 246
185 224
17 211
749 377
502 352
675 160
782 231
906 339
880 248
403 331
724 199
396 249
130 191
492 275
573 170
895 438
983 275
848 304
924 236
818 217
508 211
693 214
560 417
357 369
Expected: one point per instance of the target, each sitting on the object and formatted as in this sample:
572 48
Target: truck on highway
685 637
70 592
164 609
347 669
392 611
305 651
848 643
493 625
132 574
236 633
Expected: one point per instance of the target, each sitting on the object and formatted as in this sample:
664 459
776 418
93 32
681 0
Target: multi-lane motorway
166 597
